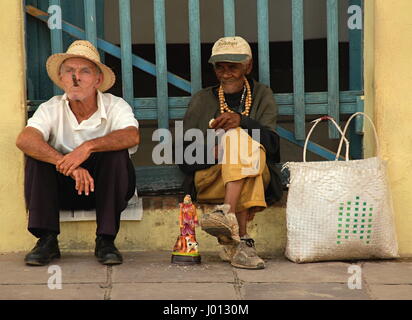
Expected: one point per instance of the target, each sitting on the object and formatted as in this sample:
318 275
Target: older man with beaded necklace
237 103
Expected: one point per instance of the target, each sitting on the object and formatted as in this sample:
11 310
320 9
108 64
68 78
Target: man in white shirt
77 147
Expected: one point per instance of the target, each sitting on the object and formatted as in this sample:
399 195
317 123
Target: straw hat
80 49
230 49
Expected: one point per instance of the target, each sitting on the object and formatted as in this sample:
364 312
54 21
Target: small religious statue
185 250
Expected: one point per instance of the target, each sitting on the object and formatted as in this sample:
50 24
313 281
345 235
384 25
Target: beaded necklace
248 103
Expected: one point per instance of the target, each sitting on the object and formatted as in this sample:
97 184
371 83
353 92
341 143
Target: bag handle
373 127
316 122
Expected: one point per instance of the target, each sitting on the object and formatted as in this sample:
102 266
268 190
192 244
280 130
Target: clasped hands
69 165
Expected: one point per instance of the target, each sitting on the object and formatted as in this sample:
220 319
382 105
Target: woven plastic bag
339 210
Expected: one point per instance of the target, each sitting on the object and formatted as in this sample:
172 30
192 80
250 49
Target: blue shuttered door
84 20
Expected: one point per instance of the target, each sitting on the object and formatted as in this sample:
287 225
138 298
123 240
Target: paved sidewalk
150 276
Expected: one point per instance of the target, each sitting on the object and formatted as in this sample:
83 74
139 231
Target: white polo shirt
59 126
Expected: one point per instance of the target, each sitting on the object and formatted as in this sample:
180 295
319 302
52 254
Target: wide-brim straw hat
80 49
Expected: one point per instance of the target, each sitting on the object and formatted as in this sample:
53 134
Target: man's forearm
32 144
43 152
116 140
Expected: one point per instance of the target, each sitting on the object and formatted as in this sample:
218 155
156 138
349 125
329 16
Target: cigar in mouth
75 83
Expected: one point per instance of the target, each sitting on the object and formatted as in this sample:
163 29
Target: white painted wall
211 12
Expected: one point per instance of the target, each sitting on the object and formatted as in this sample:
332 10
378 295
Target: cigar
75 83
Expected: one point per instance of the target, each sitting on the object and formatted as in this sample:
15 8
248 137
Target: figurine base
185 260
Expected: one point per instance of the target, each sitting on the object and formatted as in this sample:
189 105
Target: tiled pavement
151 276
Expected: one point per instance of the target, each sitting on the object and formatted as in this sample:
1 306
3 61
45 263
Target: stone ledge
166 202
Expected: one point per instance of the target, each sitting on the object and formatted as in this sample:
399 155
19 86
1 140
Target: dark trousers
47 191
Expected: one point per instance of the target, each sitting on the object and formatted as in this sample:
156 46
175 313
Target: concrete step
159 229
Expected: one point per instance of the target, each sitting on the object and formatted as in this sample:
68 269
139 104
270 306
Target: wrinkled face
230 75
80 78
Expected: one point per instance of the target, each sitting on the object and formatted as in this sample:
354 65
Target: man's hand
73 160
226 121
84 181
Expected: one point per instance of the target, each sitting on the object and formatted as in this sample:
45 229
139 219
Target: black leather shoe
106 252
45 250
